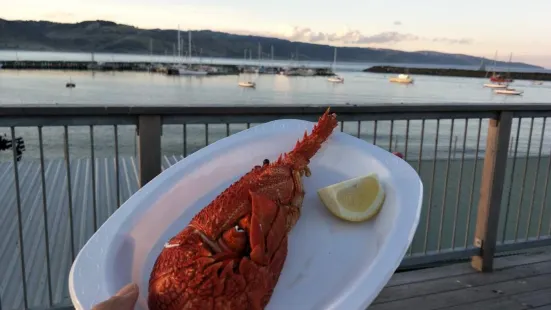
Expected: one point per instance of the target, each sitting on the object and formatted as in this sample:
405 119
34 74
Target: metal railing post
149 147
491 189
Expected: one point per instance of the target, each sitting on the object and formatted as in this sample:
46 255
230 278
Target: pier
534 76
485 169
168 68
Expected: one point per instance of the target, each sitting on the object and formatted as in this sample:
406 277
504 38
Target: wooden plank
505 262
451 283
469 295
492 304
530 300
491 190
534 299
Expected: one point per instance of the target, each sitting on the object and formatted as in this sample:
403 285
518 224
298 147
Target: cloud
397 23
351 37
347 37
59 15
463 41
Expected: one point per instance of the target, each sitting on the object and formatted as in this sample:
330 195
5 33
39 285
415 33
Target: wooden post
149 147
491 188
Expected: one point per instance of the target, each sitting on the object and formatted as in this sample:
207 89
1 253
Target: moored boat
495 85
336 79
402 78
497 78
247 84
508 91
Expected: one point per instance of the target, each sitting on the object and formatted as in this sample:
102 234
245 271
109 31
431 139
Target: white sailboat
495 85
509 91
186 69
506 90
402 79
336 78
247 84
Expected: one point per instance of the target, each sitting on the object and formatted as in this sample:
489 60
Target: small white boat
247 84
493 85
402 78
508 91
336 79
533 82
182 71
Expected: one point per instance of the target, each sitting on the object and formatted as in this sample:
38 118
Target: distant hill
110 37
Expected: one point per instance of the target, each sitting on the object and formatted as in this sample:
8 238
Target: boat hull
495 86
247 84
510 92
335 80
401 81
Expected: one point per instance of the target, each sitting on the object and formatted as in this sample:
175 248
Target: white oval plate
331 264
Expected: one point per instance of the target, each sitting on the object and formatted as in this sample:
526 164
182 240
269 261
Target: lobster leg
267 230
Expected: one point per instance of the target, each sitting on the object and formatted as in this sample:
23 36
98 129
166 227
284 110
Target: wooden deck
521 281
59 224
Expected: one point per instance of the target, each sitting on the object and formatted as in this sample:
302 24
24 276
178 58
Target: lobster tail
312 142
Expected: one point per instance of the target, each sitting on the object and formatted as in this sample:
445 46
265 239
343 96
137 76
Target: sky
471 27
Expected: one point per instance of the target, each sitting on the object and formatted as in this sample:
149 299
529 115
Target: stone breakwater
536 76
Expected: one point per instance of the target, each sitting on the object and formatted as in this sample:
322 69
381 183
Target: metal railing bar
429 204
512 178
99 110
420 159
534 186
184 137
206 134
19 220
435 257
57 120
445 195
93 167
263 118
406 141
523 245
459 183
69 189
45 214
117 165
519 209
545 193
391 133
375 132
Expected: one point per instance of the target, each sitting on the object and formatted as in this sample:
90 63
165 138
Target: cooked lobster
232 252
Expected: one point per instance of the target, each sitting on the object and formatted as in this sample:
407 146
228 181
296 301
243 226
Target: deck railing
485 170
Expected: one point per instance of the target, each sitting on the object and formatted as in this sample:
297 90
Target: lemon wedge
356 200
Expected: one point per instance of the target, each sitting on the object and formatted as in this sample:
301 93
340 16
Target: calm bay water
141 88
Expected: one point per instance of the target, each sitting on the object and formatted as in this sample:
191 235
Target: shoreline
526 75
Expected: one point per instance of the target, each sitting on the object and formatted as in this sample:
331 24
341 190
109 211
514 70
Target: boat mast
335 59
495 63
509 66
179 45
189 46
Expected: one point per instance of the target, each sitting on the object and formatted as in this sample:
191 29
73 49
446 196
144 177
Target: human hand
125 299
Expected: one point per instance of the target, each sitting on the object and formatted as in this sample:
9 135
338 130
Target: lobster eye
238 229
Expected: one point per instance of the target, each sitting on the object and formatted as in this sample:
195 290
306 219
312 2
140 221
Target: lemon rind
328 197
